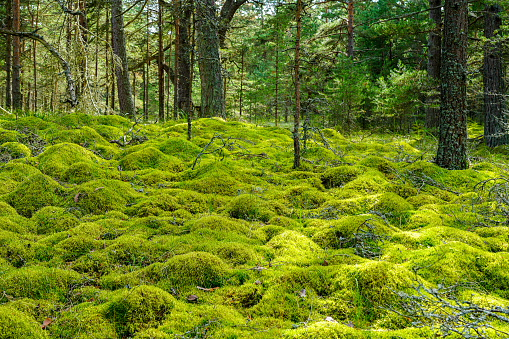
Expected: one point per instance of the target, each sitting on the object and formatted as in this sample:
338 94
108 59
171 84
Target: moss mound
51 219
190 269
101 196
338 176
34 193
250 207
14 150
140 308
151 157
15 324
38 282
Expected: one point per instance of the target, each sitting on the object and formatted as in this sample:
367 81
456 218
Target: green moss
152 333
423 218
158 177
234 253
151 157
81 172
380 164
392 204
215 222
140 308
188 270
368 285
338 176
250 207
19 171
34 193
338 233
15 324
154 205
7 210
38 282
9 136
294 247
180 148
101 196
51 219
15 150
424 199
57 159
403 191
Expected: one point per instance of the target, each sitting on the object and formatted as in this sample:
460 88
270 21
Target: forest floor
125 239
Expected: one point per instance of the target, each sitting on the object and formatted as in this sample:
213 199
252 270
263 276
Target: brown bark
160 73
212 97
8 56
225 17
495 121
433 67
452 142
349 49
82 6
296 123
125 99
16 62
183 65
146 73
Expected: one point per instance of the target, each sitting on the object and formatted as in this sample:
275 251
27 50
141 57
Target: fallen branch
65 65
226 144
122 142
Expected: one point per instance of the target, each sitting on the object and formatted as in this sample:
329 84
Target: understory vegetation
110 234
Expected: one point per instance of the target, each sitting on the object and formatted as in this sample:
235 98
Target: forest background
351 64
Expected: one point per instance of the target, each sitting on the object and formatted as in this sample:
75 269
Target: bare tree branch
65 65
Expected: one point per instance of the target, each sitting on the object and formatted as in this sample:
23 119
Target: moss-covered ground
103 241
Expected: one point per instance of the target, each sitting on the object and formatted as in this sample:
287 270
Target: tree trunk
16 53
191 107
146 72
212 97
125 99
434 57
8 56
452 142
183 66
349 49
296 142
82 7
495 121
241 82
160 70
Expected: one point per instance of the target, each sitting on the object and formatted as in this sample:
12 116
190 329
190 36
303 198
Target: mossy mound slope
162 238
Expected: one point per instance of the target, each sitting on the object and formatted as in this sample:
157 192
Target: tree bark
160 73
16 53
434 59
452 146
296 123
183 67
125 99
349 49
8 56
225 17
495 121
212 97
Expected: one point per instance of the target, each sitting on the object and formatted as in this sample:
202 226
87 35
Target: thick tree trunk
212 97
495 121
160 56
452 142
8 56
125 99
434 57
296 123
16 53
183 67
